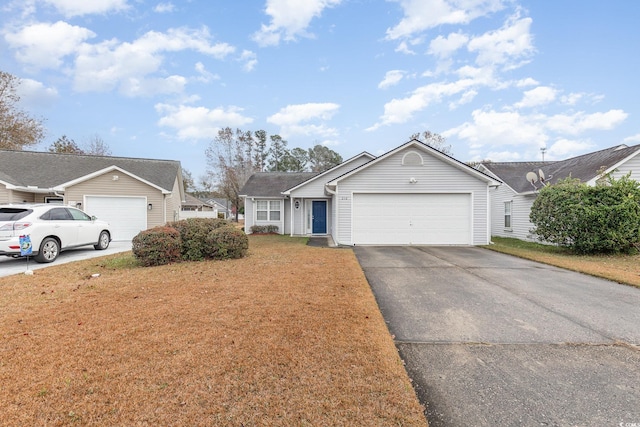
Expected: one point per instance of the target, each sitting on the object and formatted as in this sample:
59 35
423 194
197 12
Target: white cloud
541 95
205 76
402 110
164 7
391 78
526 82
632 139
35 94
293 119
249 59
289 19
421 15
70 8
45 45
444 47
502 47
574 124
199 122
564 148
113 65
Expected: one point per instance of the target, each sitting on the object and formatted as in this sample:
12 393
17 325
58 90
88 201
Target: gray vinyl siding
284 224
632 165
173 203
520 209
434 176
124 186
4 195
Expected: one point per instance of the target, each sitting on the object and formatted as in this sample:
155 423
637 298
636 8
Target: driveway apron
493 340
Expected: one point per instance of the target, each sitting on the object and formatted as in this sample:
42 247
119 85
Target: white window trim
270 210
508 203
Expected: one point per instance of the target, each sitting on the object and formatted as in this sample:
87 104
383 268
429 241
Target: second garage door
411 219
127 216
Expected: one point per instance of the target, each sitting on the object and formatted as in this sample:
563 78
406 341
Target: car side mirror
93 217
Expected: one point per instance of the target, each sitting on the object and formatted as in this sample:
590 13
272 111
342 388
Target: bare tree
187 181
434 140
17 128
96 146
230 163
64 145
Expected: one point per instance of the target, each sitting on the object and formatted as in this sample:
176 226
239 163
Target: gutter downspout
291 215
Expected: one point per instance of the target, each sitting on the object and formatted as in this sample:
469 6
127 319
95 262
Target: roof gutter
35 190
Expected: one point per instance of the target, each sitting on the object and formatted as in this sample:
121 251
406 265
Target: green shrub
600 219
194 232
157 246
264 229
226 243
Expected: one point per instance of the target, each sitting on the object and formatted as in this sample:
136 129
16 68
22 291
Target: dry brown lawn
290 335
619 268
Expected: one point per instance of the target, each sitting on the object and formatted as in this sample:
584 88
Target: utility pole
543 150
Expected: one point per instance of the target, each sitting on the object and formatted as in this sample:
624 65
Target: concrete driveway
10 266
493 340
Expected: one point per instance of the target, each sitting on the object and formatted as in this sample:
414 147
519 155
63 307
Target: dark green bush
194 232
600 219
157 246
227 242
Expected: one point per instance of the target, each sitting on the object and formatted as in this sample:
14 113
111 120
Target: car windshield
13 214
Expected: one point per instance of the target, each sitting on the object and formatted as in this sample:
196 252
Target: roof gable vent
412 159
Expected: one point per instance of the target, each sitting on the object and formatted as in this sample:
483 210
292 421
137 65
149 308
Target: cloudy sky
500 79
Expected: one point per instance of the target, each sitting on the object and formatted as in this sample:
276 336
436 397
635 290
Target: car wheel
103 241
49 250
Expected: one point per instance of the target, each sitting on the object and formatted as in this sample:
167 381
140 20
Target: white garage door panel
127 216
412 219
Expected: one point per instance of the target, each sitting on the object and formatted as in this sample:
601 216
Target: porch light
150 206
79 205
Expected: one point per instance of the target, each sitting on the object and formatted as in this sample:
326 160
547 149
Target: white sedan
50 230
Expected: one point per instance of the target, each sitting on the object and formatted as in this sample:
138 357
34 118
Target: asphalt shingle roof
584 168
272 184
47 170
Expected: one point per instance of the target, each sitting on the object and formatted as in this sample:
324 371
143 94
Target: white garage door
412 219
127 216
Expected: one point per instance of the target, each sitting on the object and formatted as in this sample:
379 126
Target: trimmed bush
264 229
157 246
194 232
227 242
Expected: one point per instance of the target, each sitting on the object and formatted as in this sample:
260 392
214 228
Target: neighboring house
222 206
412 195
131 194
511 203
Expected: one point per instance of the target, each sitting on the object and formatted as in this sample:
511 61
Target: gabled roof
273 184
424 147
189 200
50 170
324 173
587 167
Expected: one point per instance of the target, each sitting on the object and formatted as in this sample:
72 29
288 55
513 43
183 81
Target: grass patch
290 335
618 268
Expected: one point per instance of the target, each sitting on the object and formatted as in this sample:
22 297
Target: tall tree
322 158
96 146
64 145
277 152
260 152
229 163
434 140
296 160
17 128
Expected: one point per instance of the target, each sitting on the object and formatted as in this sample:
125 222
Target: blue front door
319 217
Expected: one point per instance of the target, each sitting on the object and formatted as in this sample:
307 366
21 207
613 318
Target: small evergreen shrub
264 229
226 243
194 232
157 246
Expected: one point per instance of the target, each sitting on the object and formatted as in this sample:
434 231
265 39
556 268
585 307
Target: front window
268 210
507 214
